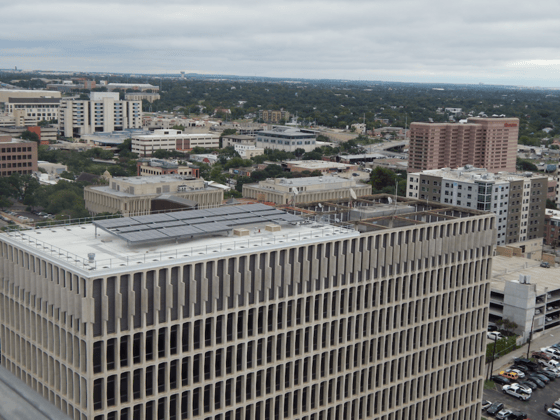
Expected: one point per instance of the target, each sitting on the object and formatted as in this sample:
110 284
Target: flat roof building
489 143
249 312
287 139
17 156
148 167
146 194
311 189
102 113
6 94
171 140
40 108
238 139
519 201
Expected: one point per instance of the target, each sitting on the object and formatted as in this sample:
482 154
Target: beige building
150 97
52 168
311 189
38 108
247 152
104 112
6 94
273 116
171 140
298 321
237 140
146 194
148 167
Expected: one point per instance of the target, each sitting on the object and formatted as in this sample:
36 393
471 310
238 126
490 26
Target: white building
171 140
247 151
102 113
37 108
286 138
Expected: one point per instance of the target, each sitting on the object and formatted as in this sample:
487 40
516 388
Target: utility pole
530 336
493 357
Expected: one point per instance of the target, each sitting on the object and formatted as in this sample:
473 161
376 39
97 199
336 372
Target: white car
520 373
504 414
553 370
517 391
555 364
494 336
552 352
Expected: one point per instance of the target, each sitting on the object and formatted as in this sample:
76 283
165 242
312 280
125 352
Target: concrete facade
386 325
287 139
237 139
489 143
518 201
103 114
312 189
39 108
135 195
172 140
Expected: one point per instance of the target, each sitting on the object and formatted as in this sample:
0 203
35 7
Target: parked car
504 414
554 412
556 404
495 408
512 376
548 374
529 383
537 381
556 372
518 415
541 355
545 265
500 380
515 390
521 367
494 335
549 363
522 361
552 351
486 404
519 372
540 377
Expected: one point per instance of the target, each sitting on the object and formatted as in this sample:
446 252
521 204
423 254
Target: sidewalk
548 337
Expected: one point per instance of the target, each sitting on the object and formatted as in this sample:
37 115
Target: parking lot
534 407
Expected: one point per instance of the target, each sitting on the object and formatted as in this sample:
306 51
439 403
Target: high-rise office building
247 312
489 143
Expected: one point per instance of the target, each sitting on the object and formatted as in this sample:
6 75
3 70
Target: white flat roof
508 269
68 246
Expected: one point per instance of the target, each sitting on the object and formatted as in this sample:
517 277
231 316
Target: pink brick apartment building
489 143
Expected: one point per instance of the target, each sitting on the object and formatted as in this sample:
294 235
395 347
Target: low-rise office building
146 194
52 168
238 140
6 94
149 167
518 201
144 96
287 139
311 189
17 156
172 140
247 152
323 166
39 108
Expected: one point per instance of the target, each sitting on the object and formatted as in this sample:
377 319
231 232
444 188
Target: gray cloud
430 40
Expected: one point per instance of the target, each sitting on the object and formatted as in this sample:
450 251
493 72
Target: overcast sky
490 41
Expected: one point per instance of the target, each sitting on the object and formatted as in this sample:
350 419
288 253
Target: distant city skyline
399 41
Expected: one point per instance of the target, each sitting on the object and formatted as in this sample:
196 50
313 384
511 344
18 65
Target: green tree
28 135
550 204
526 165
